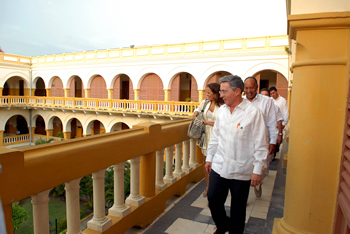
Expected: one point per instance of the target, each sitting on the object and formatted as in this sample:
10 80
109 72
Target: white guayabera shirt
282 104
238 144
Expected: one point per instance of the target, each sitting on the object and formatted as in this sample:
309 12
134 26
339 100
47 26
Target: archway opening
119 127
57 88
16 125
76 88
57 127
184 88
14 86
152 88
76 128
97 128
40 128
40 90
269 78
215 77
98 88
123 88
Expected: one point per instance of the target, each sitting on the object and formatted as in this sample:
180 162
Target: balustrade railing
29 173
16 139
182 109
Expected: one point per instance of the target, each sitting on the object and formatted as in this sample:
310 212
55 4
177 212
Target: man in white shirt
281 103
236 151
266 106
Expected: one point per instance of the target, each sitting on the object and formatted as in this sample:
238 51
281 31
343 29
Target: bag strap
205 104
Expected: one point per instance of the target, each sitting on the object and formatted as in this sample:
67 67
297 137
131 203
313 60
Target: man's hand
279 139
207 167
272 148
255 180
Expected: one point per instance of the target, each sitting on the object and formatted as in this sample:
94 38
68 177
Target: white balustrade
186 149
40 203
135 199
160 185
169 178
178 173
73 206
119 209
193 162
99 222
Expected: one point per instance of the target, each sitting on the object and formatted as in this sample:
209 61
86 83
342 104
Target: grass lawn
57 209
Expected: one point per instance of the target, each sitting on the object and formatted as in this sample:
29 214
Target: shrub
19 214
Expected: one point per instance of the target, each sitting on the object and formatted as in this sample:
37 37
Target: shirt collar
243 105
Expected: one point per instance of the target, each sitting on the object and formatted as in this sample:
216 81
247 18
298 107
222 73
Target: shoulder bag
196 128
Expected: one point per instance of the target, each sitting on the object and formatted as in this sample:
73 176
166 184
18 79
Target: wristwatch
280 134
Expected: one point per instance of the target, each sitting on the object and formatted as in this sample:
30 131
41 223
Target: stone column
148 175
48 92
134 198
87 93
200 95
66 93
67 135
40 203
33 92
119 209
167 93
1 91
110 93
33 132
49 133
2 137
137 94
73 206
160 185
178 173
99 222
193 163
320 99
186 149
169 178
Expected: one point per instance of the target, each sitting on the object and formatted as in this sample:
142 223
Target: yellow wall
319 101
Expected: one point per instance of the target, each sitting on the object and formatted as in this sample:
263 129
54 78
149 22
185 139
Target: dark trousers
217 194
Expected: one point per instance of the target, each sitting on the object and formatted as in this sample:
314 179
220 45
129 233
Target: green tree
42 141
19 214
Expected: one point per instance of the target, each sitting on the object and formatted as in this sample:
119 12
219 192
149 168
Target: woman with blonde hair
209 116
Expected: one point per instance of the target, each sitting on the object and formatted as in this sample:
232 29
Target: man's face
265 93
227 94
274 94
250 89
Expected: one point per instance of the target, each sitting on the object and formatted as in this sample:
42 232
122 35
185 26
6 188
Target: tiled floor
190 213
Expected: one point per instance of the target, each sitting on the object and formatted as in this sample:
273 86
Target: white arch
34 120
216 68
69 77
87 125
24 76
111 78
8 117
67 125
113 123
143 73
50 119
91 75
267 66
49 86
181 69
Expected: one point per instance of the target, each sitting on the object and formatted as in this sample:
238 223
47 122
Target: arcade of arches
183 86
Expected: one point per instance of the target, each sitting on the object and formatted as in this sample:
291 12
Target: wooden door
282 85
131 90
98 88
194 90
152 88
175 89
57 88
116 88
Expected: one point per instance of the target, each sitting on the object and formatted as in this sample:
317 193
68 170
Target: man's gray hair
235 82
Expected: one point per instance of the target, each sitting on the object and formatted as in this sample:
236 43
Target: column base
161 186
194 165
281 227
119 211
179 174
186 169
170 180
100 226
135 201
